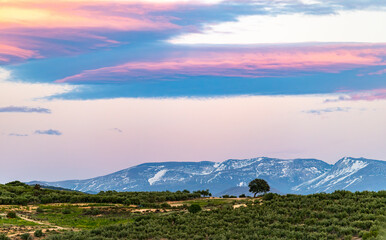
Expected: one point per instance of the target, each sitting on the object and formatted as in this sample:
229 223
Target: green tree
258 186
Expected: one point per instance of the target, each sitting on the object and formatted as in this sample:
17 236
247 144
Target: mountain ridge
300 176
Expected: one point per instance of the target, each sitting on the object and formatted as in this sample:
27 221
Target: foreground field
185 215
56 217
340 215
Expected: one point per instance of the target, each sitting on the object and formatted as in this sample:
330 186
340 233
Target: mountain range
299 176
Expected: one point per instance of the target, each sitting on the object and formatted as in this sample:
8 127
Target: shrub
38 233
39 210
269 196
165 205
11 215
66 211
26 236
242 196
4 237
194 208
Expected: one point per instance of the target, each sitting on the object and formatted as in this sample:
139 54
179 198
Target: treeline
339 215
19 193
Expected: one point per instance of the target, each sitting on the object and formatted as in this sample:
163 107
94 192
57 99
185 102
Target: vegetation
38 233
26 236
258 186
11 215
18 193
194 208
3 237
340 215
184 215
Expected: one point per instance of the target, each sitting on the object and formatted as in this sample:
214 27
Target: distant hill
300 176
52 187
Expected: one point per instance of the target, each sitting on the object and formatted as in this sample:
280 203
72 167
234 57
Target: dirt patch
239 205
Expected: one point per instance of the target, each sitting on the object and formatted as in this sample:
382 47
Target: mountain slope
301 176
353 174
281 174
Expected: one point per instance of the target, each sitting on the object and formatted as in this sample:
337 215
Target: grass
75 217
215 202
16 222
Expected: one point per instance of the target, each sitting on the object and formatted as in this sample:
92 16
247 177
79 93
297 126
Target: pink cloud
83 14
30 27
380 72
8 52
245 62
376 94
371 95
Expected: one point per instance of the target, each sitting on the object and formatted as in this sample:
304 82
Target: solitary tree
258 186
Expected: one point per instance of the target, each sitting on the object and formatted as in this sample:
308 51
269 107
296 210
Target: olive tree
258 186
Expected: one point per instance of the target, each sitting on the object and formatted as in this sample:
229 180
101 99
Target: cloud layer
243 62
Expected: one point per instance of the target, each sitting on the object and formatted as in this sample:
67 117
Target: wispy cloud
48 132
17 135
380 72
24 109
117 130
248 62
372 95
328 110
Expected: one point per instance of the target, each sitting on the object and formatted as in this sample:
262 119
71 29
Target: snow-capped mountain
353 174
285 176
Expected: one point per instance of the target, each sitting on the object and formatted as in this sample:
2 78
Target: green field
167 215
340 215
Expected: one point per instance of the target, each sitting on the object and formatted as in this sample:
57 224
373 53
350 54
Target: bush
11 215
39 210
269 196
194 208
26 236
4 237
242 196
38 233
165 205
66 211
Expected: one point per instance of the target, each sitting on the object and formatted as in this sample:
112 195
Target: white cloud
4 74
14 92
346 26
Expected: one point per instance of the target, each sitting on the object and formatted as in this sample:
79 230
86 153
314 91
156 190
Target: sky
89 87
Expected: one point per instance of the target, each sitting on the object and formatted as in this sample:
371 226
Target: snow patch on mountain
157 176
242 184
347 173
343 173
